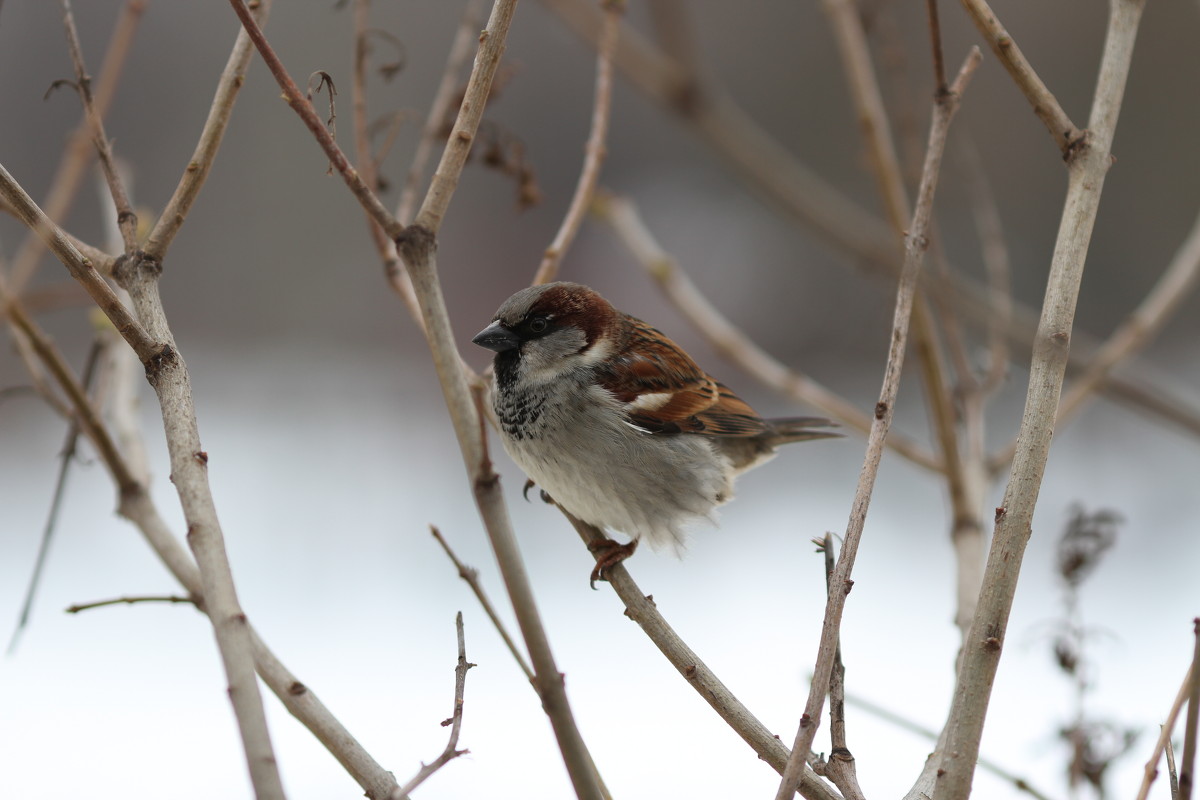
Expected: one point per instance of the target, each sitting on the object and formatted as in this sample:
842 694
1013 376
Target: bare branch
471 576
130 600
137 506
67 457
126 219
594 151
1045 105
915 245
79 151
955 763
641 609
1185 689
1187 773
304 109
840 767
233 76
626 221
451 750
81 268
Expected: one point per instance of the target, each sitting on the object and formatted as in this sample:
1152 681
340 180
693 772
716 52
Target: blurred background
330 451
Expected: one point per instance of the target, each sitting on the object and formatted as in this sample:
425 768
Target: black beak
497 337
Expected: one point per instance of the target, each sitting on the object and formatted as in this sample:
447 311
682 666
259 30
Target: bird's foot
608 554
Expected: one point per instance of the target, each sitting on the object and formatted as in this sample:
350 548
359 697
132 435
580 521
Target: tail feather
801 429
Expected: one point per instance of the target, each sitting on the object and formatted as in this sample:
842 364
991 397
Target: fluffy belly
625 480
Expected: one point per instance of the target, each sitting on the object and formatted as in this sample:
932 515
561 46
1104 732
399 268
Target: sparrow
616 423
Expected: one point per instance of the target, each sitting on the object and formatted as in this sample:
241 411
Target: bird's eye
538 325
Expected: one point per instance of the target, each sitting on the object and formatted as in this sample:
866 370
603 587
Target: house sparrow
615 422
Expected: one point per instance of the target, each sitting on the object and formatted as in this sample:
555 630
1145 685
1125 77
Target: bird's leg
608 554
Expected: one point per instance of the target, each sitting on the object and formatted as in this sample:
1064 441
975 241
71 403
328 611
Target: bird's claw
608 554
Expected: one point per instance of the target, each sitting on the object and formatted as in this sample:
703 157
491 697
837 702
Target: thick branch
982 648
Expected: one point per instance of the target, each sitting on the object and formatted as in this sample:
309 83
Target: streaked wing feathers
665 391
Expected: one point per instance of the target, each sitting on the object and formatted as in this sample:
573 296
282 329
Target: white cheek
598 352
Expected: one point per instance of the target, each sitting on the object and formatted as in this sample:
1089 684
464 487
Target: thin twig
595 149
233 76
443 98
840 766
935 37
304 109
1172 770
1045 105
1187 772
471 576
915 246
79 152
954 765
641 609
126 219
1150 772
847 25
995 258
451 750
67 457
130 600
622 214
368 164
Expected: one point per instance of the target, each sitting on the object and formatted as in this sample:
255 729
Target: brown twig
1150 772
304 109
915 246
471 576
626 221
451 750
955 763
840 766
368 166
233 76
126 219
130 600
443 98
79 151
594 151
872 116
1045 105
642 610
935 37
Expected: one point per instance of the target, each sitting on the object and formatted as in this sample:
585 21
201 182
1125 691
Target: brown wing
666 392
